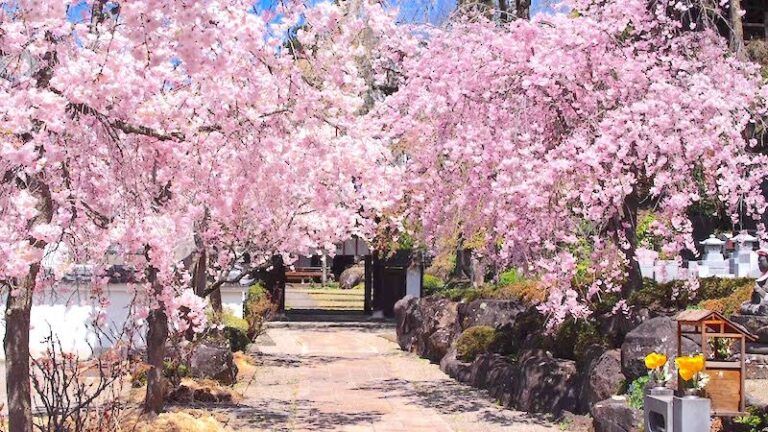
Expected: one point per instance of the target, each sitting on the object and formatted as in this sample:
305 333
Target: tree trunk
523 9
275 282
200 283
737 28
503 11
16 344
17 325
157 334
477 270
629 227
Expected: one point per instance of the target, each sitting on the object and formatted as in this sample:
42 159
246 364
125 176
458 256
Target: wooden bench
301 275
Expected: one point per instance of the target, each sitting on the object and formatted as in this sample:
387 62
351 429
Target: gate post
368 284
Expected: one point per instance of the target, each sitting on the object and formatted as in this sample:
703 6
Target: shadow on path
276 415
451 398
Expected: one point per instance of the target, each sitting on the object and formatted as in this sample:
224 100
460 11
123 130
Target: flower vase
657 388
692 393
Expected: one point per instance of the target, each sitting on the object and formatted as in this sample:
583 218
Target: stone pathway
318 377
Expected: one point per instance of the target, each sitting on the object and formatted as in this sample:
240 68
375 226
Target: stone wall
523 376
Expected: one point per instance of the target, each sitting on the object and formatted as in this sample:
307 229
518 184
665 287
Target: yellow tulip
697 362
689 366
655 360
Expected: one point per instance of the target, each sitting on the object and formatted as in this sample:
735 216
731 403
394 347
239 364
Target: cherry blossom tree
149 123
541 140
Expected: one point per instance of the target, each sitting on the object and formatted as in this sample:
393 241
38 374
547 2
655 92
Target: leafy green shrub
573 338
645 236
510 277
475 341
675 294
257 310
256 292
729 304
228 319
432 284
714 287
636 392
755 421
237 337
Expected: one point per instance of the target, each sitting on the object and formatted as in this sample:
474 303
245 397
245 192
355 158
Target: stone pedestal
690 414
713 257
744 261
658 410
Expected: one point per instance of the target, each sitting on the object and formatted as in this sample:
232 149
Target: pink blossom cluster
161 124
534 136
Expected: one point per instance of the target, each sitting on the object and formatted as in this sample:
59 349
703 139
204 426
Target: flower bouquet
658 369
690 369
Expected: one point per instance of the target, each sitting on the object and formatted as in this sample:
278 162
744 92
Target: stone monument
758 304
753 314
744 259
713 264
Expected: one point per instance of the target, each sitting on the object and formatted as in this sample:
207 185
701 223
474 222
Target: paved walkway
314 377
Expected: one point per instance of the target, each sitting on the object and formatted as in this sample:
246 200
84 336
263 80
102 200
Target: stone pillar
658 410
744 260
713 257
691 414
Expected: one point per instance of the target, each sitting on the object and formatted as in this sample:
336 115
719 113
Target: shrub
257 310
573 338
754 421
228 319
675 294
636 392
255 293
234 329
713 288
730 304
510 277
528 291
432 284
238 338
475 341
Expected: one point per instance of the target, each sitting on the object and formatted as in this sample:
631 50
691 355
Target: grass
334 299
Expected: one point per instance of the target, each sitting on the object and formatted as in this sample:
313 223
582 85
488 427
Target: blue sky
433 11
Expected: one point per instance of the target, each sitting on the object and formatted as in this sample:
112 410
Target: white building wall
69 317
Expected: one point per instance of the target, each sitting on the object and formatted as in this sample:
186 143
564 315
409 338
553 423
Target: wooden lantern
726 385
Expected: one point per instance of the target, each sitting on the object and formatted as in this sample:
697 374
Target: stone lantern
744 260
714 263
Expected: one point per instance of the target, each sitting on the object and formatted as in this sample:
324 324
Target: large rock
757 325
496 374
601 379
408 319
213 361
351 277
757 366
614 327
656 334
615 415
455 368
545 384
493 313
438 329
